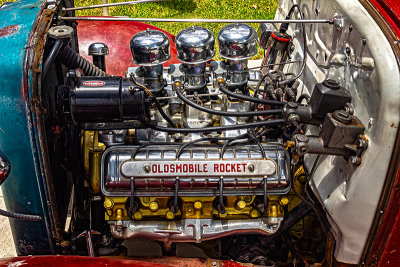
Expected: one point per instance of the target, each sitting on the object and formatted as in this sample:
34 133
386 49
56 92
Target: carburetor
195 46
237 43
150 49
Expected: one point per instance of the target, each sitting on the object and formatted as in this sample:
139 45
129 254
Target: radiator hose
73 60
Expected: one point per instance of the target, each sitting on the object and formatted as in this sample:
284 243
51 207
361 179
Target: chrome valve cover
155 170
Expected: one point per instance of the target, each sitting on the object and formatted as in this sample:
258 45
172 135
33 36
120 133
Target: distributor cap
195 45
237 41
150 48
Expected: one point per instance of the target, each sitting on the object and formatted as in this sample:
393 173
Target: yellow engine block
237 207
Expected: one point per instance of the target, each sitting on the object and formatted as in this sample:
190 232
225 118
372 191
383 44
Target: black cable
18 216
176 191
289 81
136 151
160 109
209 139
311 205
226 113
268 82
309 176
133 205
253 137
217 128
227 143
155 101
221 206
265 200
225 90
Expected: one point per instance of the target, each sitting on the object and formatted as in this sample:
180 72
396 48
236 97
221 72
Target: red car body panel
390 10
386 246
79 261
117 35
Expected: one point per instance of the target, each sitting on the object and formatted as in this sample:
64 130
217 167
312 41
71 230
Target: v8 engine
202 149
211 151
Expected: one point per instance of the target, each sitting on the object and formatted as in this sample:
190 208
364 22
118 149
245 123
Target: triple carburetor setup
205 148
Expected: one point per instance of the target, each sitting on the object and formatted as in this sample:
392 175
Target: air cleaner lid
195 45
237 41
150 48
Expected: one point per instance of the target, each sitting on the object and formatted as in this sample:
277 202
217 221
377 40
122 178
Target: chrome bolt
251 168
147 168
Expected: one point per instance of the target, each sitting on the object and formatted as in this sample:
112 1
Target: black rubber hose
227 113
217 128
225 90
293 216
50 59
73 60
302 97
18 216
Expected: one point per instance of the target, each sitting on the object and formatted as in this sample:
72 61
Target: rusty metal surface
9 30
35 55
24 188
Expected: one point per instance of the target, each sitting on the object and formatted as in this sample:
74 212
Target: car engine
208 152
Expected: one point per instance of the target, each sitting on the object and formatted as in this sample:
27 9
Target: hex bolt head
153 206
169 215
108 203
198 205
147 169
138 215
251 167
241 204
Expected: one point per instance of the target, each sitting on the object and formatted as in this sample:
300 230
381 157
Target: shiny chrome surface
150 48
191 230
198 168
195 45
330 21
98 49
237 41
115 183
